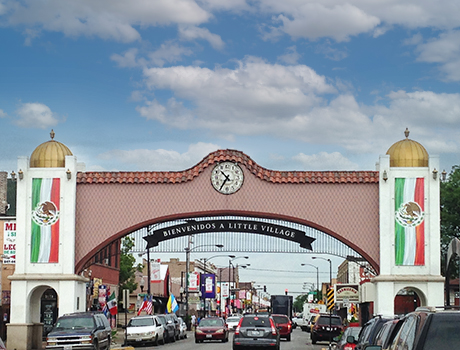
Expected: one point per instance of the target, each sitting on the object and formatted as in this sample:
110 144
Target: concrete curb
120 347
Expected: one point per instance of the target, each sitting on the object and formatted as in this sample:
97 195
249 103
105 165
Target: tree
450 215
299 301
128 268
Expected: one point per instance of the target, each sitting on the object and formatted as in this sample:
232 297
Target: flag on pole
172 306
149 306
112 304
143 306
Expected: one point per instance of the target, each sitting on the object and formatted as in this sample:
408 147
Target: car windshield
74 323
140 322
281 319
443 333
336 321
255 322
211 322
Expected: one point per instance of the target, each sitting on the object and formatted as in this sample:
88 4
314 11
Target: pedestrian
194 321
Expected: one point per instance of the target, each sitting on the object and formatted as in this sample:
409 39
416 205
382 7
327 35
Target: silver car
145 329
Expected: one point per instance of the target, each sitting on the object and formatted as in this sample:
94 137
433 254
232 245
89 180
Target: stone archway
408 299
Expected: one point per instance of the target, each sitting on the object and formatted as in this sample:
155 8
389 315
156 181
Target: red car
284 324
211 328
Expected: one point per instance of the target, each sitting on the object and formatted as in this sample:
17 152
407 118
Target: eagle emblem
45 214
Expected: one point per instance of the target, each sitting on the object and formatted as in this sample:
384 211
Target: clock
227 177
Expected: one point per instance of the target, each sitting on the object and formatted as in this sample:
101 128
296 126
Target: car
370 331
348 339
326 327
175 321
297 320
256 331
284 324
232 322
145 329
83 330
426 328
211 328
183 328
169 328
386 334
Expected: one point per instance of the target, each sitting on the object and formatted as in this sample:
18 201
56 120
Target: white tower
409 226
45 254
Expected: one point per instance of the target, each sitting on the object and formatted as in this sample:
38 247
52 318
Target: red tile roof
274 176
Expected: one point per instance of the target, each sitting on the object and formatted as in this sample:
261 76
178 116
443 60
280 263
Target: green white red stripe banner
409 221
45 220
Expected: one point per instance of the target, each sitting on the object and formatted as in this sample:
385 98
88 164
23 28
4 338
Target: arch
34 303
405 301
186 216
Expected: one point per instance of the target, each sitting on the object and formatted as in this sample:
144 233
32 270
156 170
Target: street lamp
188 249
330 286
201 281
317 278
229 279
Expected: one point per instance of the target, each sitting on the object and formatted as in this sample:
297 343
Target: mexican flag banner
112 304
409 221
45 220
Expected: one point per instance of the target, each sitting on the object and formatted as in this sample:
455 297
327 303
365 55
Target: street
299 341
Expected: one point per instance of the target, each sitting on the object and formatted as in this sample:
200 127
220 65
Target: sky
294 84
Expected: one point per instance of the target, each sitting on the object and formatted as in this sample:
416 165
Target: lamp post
317 278
188 249
229 279
330 286
204 269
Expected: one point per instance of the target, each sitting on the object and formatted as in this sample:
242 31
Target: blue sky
295 84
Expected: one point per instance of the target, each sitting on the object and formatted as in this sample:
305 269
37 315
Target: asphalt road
299 341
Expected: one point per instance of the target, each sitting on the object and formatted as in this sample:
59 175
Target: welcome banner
409 221
45 220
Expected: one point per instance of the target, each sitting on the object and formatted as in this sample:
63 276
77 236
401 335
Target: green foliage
299 301
127 266
450 215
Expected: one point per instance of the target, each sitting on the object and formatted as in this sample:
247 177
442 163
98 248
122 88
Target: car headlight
220 331
199 331
86 340
51 341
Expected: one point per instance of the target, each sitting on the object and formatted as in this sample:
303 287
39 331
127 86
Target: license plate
139 339
67 347
208 335
254 333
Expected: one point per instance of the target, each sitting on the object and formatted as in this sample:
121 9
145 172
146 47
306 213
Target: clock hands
227 178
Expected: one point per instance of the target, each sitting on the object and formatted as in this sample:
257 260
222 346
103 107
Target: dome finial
406 133
52 134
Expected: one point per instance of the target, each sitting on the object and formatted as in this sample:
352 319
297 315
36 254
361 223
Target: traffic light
285 291
265 289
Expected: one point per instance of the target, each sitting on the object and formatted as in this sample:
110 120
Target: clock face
227 177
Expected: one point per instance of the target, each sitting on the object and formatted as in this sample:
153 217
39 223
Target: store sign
9 242
193 282
208 285
346 293
260 227
225 290
155 271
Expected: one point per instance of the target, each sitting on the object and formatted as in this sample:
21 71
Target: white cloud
194 32
291 56
161 159
2 114
35 115
325 161
107 19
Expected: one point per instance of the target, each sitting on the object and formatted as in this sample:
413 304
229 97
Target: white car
145 329
183 328
232 322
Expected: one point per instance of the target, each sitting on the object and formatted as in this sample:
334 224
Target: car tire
109 342
197 341
313 339
155 342
173 338
288 338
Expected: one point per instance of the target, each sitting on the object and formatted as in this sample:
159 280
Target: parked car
145 329
80 330
169 327
426 328
386 334
183 328
370 331
211 328
297 320
326 327
232 322
348 339
175 321
256 331
284 324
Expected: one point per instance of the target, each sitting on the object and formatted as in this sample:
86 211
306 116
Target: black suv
258 331
426 328
326 328
80 330
369 331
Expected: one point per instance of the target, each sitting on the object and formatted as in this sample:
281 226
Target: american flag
149 306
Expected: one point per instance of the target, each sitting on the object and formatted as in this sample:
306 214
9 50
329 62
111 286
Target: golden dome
408 153
50 154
